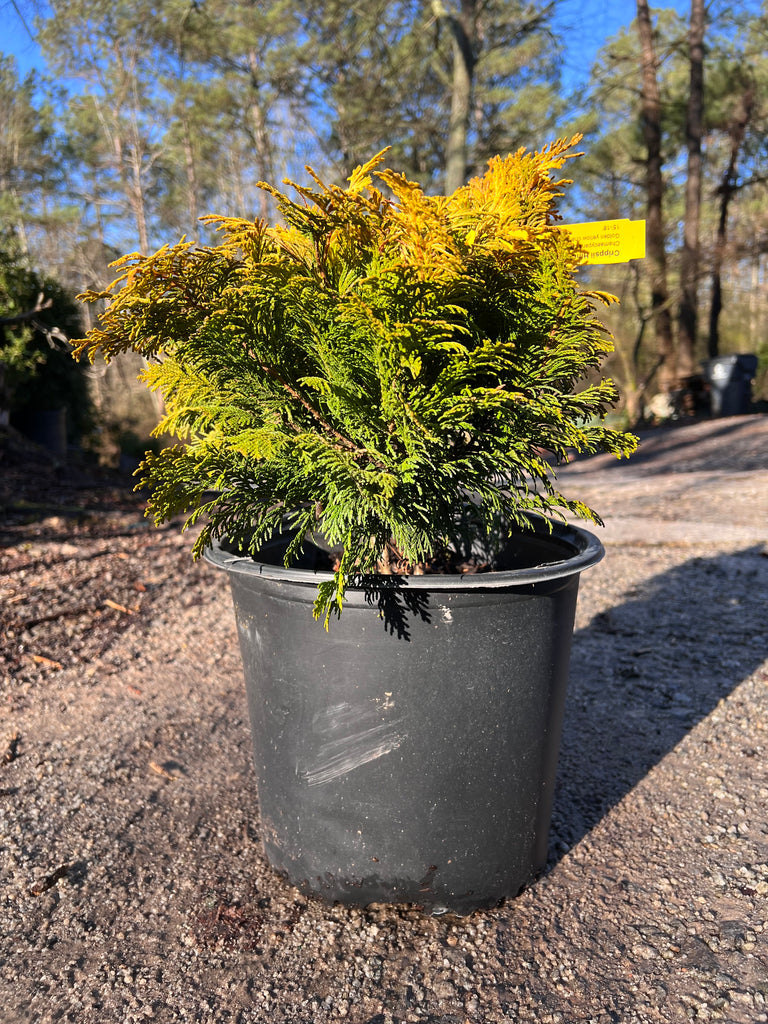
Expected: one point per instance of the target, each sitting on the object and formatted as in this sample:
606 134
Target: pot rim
588 550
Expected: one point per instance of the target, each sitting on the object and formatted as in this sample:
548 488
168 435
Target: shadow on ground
644 673
733 445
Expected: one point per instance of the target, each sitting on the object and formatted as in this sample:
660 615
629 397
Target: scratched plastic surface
408 755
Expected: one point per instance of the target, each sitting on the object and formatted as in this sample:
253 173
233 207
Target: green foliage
35 359
28 164
371 364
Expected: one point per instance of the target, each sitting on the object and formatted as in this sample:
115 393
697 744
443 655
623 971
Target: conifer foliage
371 363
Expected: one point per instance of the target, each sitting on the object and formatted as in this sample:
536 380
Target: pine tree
30 170
416 74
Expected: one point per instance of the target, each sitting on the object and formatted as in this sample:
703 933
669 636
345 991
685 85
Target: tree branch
20 318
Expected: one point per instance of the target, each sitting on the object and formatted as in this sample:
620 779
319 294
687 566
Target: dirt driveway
132 884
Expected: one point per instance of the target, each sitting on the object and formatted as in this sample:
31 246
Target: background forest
146 116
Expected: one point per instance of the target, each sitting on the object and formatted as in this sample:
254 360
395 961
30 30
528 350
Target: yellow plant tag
610 241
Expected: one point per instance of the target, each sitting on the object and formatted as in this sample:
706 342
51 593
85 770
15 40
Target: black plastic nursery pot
408 755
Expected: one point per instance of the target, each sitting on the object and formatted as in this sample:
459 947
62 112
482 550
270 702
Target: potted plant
372 398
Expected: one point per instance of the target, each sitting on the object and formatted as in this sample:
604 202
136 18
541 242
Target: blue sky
587 24
15 38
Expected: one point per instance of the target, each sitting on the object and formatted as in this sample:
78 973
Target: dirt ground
132 882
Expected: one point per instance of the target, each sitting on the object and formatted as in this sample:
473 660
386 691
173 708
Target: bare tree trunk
463 33
654 184
131 180
132 187
137 152
260 133
737 130
191 174
136 189
689 264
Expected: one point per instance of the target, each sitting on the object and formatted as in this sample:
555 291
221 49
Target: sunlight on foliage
370 363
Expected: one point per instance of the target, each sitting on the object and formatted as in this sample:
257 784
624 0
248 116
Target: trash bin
730 379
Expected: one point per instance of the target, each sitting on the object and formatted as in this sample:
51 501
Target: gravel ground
132 884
